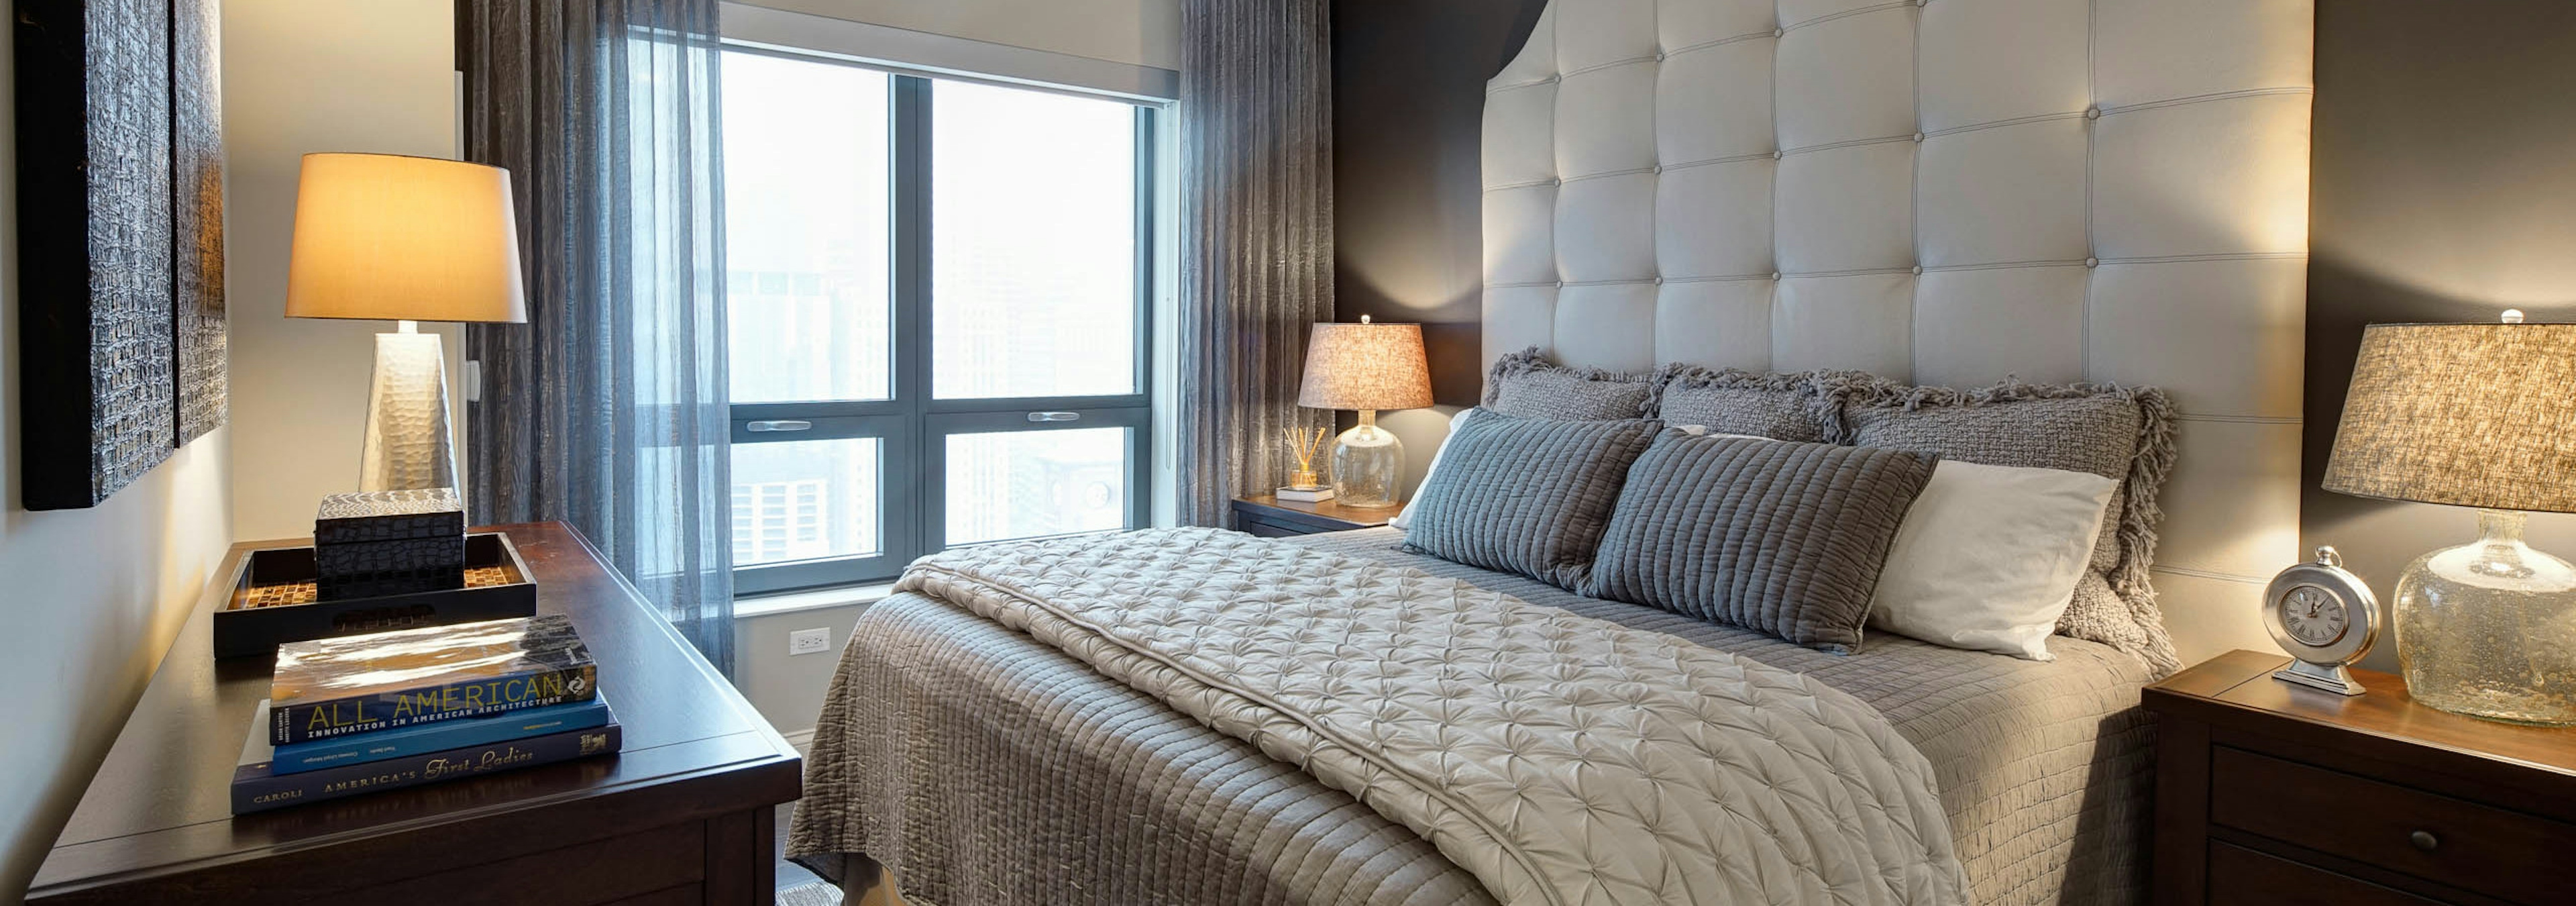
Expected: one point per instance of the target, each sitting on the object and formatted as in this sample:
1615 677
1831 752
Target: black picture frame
120 241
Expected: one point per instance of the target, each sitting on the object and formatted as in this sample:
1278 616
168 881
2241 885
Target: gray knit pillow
1734 401
1527 385
1526 495
1779 537
2121 433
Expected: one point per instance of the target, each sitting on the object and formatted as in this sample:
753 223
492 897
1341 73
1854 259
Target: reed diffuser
1306 445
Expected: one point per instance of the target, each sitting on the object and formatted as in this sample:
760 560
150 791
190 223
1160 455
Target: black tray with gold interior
274 599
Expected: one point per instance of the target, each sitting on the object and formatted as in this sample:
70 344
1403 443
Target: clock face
2314 616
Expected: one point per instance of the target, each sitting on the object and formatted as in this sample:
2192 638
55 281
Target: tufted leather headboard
1940 191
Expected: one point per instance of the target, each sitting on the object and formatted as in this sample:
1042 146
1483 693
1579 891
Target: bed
1948 192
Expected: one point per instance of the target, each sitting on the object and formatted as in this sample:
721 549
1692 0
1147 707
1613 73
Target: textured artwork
197 215
121 333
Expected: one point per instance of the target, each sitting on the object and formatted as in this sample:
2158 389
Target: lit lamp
2476 415
1367 367
381 237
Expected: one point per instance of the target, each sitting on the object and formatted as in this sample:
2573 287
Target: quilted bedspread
1557 758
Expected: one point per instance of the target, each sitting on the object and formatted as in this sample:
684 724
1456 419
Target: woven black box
372 568
389 516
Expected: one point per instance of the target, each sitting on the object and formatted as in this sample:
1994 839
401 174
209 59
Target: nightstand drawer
2438 838
2242 876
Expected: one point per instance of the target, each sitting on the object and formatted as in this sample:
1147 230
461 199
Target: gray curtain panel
1257 239
607 409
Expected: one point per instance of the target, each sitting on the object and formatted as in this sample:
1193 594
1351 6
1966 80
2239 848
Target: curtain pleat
607 409
1256 186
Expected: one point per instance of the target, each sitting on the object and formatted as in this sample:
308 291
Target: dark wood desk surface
156 823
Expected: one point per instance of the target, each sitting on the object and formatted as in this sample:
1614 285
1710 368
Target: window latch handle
1055 416
778 425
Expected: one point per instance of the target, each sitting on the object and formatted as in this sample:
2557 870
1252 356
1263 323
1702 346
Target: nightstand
1270 517
2268 792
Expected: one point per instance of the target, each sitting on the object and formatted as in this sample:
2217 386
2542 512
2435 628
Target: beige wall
90 598
303 76
1135 32
788 689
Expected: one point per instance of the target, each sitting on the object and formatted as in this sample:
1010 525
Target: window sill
767 605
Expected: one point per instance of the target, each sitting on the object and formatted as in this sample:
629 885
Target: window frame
913 427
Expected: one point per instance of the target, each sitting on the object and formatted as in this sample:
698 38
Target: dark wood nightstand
2268 792
1270 517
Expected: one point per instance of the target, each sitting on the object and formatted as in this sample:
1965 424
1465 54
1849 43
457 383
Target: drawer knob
2424 840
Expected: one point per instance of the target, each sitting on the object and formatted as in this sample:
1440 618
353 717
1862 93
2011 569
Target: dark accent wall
1408 112
2444 189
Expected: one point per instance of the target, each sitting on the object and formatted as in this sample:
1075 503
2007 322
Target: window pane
1026 484
1033 243
805 500
805 230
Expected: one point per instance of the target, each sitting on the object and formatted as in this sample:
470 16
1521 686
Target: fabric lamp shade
1365 366
391 238
2475 415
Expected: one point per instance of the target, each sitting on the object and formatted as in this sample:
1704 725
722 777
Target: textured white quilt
1560 759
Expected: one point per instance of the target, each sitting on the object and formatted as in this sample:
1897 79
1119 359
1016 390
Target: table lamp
2475 415
383 237
1368 367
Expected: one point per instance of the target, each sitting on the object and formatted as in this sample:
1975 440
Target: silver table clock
2325 617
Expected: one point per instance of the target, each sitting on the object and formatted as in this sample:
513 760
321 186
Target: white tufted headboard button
2090 261
1918 270
2092 113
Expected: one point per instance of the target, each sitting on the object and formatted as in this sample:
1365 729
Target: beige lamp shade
392 238
1365 366
2478 415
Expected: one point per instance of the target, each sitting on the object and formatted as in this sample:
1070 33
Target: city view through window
1027 205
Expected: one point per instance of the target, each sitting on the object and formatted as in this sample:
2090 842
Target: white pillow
1404 518
1988 557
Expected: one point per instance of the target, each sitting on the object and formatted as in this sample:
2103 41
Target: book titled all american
327 688
421 739
257 787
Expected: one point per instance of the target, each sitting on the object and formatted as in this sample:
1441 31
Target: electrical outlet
809 641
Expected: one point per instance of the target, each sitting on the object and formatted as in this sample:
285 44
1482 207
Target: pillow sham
1988 557
1781 537
2122 433
1526 495
1525 384
1733 401
1404 517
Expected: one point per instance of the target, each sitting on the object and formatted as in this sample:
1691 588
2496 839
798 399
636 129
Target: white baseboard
803 740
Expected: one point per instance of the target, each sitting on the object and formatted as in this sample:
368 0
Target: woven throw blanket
1560 759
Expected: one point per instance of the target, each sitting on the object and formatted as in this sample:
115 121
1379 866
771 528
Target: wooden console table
683 815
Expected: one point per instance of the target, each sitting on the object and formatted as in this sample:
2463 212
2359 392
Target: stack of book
364 713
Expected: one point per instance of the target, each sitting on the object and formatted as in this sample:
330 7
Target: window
938 296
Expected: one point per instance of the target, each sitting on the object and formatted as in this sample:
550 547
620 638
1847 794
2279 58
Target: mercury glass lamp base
1368 461
2488 629
409 444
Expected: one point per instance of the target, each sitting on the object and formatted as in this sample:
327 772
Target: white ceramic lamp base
409 444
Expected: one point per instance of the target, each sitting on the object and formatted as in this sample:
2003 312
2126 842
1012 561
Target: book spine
324 719
421 740
256 789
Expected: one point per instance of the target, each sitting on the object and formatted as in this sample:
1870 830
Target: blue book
256 788
421 739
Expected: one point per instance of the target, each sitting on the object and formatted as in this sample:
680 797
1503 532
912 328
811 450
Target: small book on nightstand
1306 495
